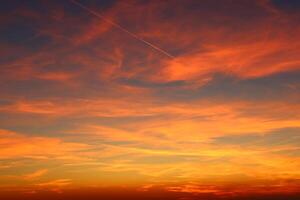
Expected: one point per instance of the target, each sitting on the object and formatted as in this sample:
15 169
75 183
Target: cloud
234 60
56 183
288 138
98 53
15 145
95 106
35 175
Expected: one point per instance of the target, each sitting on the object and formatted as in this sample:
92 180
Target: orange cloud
115 111
35 175
15 145
55 183
235 60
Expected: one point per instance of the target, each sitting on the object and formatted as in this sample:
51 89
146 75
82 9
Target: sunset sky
176 98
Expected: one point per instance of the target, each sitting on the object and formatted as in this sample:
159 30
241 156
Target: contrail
121 28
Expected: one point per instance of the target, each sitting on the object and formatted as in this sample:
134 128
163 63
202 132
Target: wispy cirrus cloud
35 175
85 104
16 145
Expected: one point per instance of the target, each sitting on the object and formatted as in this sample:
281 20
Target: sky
150 99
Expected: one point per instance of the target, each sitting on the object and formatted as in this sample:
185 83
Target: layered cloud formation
85 104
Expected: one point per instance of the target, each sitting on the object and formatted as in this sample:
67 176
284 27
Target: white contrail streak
121 28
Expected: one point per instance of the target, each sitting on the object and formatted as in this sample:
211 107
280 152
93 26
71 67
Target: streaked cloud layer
85 105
